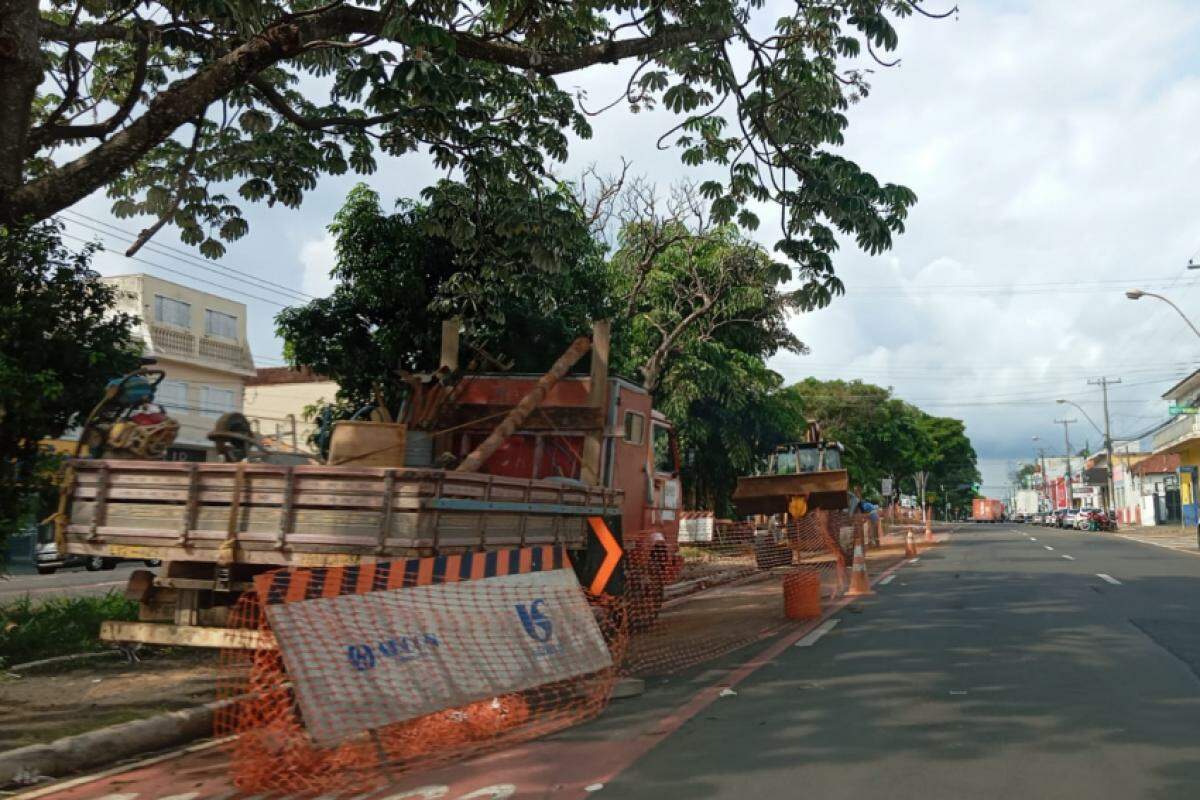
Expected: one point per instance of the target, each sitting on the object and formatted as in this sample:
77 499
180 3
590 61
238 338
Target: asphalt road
993 668
73 581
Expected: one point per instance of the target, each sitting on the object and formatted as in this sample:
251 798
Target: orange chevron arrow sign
612 554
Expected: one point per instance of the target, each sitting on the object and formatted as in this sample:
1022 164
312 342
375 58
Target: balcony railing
1185 426
170 341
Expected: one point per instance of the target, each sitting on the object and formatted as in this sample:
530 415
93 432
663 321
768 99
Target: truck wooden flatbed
301 515
217 525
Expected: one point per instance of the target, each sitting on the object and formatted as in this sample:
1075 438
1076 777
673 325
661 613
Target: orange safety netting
319 715
314 715
728 590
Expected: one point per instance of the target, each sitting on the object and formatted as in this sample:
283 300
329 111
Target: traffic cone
910 546
860 584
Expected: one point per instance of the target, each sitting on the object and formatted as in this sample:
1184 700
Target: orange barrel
802 594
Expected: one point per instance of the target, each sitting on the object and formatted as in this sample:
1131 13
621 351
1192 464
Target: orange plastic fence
718 590
342 739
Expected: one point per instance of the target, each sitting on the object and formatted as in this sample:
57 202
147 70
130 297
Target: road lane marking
914 560
1048 547
1105 577
814 636
1033 538
888 579
1068 558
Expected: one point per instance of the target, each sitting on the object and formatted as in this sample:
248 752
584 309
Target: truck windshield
833 458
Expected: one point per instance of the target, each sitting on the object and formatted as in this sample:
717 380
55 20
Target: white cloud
317 257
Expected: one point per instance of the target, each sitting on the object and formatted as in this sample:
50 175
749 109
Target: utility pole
1104 383
1066 423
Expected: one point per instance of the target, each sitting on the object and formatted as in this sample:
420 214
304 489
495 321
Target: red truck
984 509
594 447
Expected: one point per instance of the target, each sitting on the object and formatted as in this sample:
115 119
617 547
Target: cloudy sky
1052 148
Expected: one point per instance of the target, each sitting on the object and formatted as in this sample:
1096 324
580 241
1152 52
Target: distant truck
984 509
1026 503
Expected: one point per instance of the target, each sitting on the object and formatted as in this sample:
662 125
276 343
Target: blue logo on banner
536 624
539 627
364 657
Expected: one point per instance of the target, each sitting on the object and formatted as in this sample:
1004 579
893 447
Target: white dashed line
914 560
1033 538
814 636
1048 547
1102 576
1068 558
888 579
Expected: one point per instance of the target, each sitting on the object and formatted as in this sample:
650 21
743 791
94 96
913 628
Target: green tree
698 310
954 467
185 111
399 274
885 436
60 342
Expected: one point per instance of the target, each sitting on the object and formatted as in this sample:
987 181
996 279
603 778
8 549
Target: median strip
1104 577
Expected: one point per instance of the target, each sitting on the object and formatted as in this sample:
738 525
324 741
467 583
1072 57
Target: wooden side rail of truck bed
281 515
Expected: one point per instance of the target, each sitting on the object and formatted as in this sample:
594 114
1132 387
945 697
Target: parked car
1059 515
1069 518
1083 519
49 561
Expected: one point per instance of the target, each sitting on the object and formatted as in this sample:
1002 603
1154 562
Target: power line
186 275
183 256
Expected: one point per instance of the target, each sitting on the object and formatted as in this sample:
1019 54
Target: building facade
276 399
1181 437
199 340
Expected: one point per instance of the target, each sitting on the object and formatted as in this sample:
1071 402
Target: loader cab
801 457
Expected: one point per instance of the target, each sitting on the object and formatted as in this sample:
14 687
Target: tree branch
278 102
185 170
281 40
47 133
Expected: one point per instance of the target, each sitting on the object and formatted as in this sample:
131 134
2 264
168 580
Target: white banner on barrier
363 661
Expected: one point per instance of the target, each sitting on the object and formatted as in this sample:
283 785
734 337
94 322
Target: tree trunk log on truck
479 456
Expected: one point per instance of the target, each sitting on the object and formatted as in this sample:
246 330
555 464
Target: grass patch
32 629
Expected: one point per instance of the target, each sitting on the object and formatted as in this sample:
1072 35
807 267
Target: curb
103 746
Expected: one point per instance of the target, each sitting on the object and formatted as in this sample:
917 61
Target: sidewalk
1169 536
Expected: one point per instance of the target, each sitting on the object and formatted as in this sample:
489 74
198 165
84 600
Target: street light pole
1042 460
1103 383
1137 294
1067 441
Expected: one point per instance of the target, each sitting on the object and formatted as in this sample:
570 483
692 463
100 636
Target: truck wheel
93 563
47 570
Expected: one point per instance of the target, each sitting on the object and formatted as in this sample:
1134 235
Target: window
214 402
664 454
172 395
172 312
217 323
635 427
